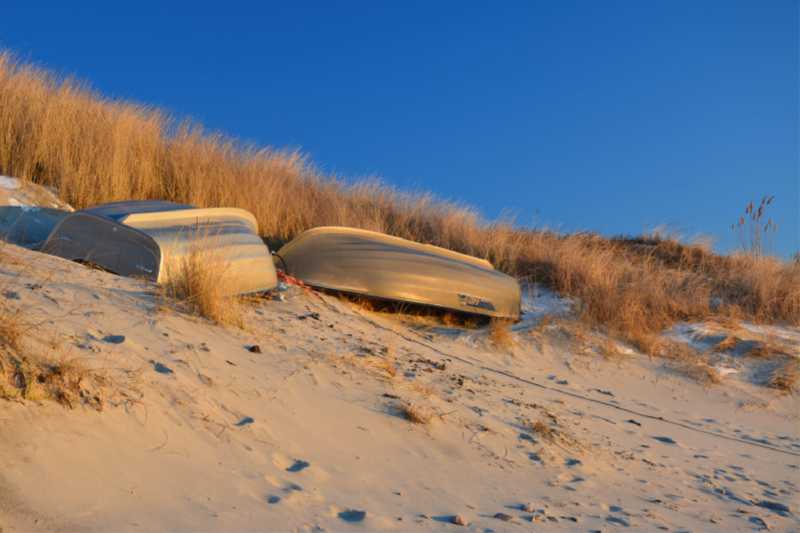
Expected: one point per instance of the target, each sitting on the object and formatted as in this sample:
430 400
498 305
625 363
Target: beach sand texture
190 430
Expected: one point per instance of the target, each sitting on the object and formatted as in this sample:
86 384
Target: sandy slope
199 434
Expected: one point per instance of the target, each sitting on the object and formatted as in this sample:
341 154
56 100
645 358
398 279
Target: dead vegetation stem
499 334
416 413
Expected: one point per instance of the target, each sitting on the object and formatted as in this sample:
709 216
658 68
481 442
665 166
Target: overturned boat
375 265
149 239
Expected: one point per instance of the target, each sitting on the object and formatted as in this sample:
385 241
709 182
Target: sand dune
187 429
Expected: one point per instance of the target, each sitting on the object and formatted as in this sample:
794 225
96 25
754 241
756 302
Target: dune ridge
59 132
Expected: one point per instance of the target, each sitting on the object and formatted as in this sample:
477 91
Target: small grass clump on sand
202 280
687 360
59 132
384 361
415 413
11 327
727 344
609 348
768 348
500 335
701 372
541 429
24 376
786 377
555 436
11 323
25 372
388 363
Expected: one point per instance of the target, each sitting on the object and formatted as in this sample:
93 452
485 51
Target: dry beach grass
202 281
57 131
48 371
786 377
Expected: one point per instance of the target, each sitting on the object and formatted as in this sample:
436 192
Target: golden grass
555 436
57 131
26 374
770 345
11 327
541 428
66 381
500 335
609 349
786 377
202 280
701 372
389 363
727 344
689 361
763 350
415 413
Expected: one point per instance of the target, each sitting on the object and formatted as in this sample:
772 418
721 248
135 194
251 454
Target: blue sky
608 116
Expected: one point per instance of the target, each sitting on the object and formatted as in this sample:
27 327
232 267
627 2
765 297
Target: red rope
294 281
290 280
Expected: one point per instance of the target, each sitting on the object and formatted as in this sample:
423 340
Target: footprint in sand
161 369
114 339
351 515
665 440
244 421
298 466
307 470
612 508
286 486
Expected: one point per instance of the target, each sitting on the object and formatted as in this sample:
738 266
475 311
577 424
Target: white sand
200 434
28 212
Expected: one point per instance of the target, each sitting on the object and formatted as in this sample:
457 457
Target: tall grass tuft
499 334
786 377
750 236
202 280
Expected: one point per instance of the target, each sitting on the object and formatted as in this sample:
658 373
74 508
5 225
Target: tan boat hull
377 265
142 239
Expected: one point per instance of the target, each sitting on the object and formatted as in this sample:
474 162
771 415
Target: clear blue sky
607 116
